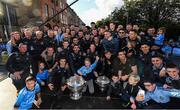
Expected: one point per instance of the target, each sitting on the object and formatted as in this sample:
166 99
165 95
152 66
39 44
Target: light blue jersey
26 98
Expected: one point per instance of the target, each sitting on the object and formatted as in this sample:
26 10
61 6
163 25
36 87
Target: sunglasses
147 85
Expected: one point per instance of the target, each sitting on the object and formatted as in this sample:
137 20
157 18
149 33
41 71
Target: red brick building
15 14
41 10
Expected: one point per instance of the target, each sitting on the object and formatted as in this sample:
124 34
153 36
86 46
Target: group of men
130 57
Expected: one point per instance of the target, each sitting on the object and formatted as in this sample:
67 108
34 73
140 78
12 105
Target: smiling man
173 79
161 97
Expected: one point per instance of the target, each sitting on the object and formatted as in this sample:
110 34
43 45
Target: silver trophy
102 82
76 84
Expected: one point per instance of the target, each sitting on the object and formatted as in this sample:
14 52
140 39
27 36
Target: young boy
87 73
26 97
173 79
114 87
160 97
159 39
130 90
42 75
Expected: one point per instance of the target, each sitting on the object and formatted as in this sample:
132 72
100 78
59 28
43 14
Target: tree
149 13
119 16
103 22
153 12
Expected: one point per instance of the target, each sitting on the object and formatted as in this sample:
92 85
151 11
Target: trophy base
102 89
75 96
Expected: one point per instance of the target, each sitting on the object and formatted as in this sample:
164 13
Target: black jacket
114 88
18 62
59 76
129 91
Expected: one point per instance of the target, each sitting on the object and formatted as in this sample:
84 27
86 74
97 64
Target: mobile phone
141 92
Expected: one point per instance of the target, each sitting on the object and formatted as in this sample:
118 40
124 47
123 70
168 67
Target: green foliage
103 22
147 13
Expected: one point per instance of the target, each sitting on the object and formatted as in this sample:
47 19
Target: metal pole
9 20
58 13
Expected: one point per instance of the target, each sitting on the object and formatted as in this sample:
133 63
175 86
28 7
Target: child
42 75
130 90
87 73
159 39
161 97
114 87
26 97
173 79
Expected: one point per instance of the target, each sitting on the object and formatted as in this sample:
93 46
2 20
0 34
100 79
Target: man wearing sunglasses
122 38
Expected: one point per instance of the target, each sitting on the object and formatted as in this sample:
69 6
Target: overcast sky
93 10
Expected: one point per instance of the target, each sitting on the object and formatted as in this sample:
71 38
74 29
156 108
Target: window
55 2
46 10
52 12
60 4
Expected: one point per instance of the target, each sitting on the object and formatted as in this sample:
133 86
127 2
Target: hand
84 54
133 106
17 75
76 74
120 74
63 87
36 103
139 98
95 74
20 72
42 83
51 87
108 62
60 49
162 73
97 58
80 74
39 101
50 70
108 98
129 54
132 100
165 86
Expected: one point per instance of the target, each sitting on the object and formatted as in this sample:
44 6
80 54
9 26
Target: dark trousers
56 95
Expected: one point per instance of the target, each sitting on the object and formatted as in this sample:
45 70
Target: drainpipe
9 20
